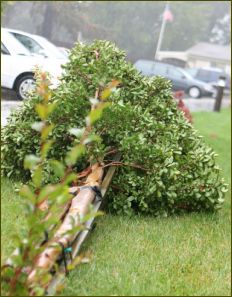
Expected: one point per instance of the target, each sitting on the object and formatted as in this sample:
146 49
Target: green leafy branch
44 204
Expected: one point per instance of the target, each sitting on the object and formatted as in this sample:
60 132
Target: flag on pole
167 15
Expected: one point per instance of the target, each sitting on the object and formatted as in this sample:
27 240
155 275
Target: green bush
166 167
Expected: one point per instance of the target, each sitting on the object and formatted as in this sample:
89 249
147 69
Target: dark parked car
209 75
181 80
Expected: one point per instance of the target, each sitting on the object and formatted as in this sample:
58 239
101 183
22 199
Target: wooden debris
71 214
79 207
81 236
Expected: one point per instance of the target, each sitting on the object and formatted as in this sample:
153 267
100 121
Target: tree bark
49 17
79 208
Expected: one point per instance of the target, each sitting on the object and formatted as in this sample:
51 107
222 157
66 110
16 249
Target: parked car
20 54
181 80
209 75
64 51
36 44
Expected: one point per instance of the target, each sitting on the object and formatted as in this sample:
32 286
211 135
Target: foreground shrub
44 208
165 165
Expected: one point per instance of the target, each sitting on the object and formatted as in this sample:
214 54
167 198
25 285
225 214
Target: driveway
6 108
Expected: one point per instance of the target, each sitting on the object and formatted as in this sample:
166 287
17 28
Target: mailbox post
220 88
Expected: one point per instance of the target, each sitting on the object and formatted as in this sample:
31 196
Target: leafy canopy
165 166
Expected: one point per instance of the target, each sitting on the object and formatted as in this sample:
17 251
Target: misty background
133 26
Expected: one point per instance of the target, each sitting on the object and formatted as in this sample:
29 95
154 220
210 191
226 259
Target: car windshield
13 45
48 46
38 45
191 71
185 73
4 50
144 66
29 43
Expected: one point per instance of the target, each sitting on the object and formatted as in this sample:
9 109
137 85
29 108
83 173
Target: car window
160 69
144 67
214 76
175 73
12 44
192 71
4 50
50 48
29 43
203 75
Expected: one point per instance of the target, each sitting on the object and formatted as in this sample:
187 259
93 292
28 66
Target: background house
205 54
202 54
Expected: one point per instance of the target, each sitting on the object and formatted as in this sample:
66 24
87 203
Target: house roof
209 50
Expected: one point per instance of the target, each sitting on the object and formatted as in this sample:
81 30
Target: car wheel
194 92
25 85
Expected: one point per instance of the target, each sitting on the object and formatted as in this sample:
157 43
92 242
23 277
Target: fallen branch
79 207
81 236
125 164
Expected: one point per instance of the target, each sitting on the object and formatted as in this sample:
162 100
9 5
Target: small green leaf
37 177
51 107
58 189
70 178
41 111
45 191
17 260
96 114
46 131
46 147
31 161
45 110
64 197
92 138
57 167
224 189
75 153
158 194
105 93
26 192
9 272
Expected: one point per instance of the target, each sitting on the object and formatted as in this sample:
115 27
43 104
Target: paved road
6 108
204 104
8 95
9 102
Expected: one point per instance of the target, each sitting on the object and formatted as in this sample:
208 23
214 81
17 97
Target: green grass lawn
188 255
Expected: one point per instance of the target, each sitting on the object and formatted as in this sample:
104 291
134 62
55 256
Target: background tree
136 25
133 25
58 21
4 4
221 33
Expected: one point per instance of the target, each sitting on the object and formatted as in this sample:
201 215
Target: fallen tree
57 223
165 165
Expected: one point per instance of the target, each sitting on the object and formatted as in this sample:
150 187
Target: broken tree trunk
79 207
81 236
62 238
